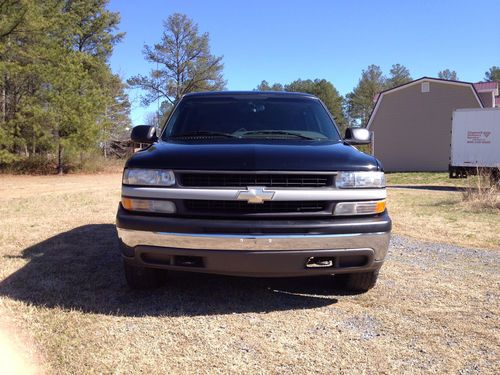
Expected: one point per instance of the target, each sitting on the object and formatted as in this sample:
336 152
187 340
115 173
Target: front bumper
254 247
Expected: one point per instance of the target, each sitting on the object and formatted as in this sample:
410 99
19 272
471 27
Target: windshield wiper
277 132
204 134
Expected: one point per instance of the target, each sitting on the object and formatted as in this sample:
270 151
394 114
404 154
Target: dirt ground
434 310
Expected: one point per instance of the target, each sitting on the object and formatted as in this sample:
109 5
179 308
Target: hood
251 154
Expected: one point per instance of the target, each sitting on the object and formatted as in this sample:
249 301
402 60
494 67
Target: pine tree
448 74
183 63
57 90
264 86
324 90
360 102
493 74
398 75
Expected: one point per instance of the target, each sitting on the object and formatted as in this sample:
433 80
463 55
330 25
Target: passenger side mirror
144 134
357 136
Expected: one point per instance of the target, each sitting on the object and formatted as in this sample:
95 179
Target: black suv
253 184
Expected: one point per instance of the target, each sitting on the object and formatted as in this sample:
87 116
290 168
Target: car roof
249 93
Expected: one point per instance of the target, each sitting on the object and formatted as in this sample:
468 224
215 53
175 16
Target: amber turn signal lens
380 207
127 203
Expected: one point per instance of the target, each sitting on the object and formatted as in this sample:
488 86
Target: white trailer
475 141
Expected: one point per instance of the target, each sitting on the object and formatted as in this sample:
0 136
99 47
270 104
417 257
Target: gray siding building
411 123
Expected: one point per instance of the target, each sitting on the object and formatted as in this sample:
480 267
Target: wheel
143 278
359 282
495 177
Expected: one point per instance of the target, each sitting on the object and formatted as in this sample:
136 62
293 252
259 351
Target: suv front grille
241 207
248 179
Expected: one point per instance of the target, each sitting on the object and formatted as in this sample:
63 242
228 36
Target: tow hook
320 262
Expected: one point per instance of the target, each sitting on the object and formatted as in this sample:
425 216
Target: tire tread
360 282
141 277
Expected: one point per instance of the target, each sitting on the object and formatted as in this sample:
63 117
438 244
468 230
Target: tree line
355 108
58 95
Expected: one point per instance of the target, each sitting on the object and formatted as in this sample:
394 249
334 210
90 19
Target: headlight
149 205
152 177
346 180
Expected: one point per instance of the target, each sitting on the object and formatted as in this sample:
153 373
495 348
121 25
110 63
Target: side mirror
357 136
144 134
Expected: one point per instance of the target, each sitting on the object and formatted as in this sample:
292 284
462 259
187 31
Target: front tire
359 282
141 277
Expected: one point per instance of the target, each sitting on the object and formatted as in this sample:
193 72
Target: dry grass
61 284
482 192
442 216
433 207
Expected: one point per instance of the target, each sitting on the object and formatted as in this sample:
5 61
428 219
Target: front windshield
251 117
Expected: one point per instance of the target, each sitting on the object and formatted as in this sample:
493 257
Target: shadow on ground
81 269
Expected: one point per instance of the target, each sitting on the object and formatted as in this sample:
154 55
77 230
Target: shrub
37 164
89 162
95 163
483 190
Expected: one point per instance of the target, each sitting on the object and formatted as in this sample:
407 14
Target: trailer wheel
495 177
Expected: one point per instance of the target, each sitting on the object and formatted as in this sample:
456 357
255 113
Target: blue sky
282 40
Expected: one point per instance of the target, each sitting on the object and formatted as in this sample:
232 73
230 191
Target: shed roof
380 96
486 87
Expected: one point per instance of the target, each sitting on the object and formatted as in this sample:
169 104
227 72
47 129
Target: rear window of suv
251 117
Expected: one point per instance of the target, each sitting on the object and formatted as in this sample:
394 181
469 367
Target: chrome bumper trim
379 242
280 194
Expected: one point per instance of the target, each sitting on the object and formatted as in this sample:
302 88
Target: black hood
251 154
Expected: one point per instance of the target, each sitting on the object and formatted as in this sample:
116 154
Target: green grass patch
423 178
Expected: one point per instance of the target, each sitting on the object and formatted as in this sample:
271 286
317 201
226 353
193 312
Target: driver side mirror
144 134
358 136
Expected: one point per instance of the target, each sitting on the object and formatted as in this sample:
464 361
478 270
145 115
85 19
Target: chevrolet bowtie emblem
255 194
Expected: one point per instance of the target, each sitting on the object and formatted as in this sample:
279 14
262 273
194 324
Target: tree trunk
33 145
60 156
4 90
4 102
